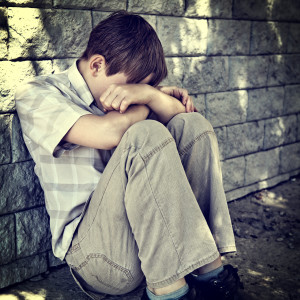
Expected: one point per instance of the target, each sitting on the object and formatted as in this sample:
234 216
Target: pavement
267 230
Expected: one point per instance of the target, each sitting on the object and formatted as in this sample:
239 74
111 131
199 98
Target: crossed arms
125 105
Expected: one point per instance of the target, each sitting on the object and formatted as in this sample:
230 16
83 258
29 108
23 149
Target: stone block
205 74
32 232
20 188
221 134
261 166
30 3
294 39
244 138
45 33
233 171
175 72
3 33
280 131
18 147
290 158
282 69
182 36
209 8
265 103
5 141
228 37
12 74
292 99
248 71
298 127
91 4
60 65
22 269
54 261
269 37
226 108
199 102
288 10
157 7
7 241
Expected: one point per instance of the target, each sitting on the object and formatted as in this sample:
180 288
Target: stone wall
239 59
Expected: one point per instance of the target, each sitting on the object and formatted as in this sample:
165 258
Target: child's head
129 45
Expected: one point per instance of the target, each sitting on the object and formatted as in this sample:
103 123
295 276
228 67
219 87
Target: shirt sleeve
46 115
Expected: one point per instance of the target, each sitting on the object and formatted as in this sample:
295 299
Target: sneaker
227 286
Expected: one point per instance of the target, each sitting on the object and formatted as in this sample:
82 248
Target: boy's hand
120 96
180 94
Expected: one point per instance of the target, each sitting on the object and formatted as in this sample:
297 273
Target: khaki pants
159 210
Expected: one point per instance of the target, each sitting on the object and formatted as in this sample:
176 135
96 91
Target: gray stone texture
22 269
261 166
199 102
226 108
91 4
292 99
12 74
298 130
280 131
290 158
32 231
283 69
60 65
244 138
209 8
3 33
182 36
44 33
228 37
30 3
7 241
19 150
5 145
265 103
267 10
233 173
294 39
19 187
205 74
54 261
175 72
248 71
167 7
221 134
269 37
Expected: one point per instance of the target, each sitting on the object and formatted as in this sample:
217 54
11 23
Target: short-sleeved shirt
48 107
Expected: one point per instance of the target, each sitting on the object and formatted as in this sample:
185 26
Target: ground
266 225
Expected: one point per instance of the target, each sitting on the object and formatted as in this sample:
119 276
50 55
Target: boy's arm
120 96
105 132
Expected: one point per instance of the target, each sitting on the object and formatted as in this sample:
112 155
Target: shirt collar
79 84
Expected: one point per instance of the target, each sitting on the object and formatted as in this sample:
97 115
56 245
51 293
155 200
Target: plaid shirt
48 107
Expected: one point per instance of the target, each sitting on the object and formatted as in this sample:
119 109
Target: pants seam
197 138
161 212
156 149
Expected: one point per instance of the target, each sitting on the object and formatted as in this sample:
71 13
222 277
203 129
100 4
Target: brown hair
130 45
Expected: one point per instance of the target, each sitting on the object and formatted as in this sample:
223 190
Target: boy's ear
97 64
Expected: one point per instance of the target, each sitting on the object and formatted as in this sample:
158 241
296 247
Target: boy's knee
193 122
147 131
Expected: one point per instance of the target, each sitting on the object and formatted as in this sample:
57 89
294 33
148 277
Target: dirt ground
266 225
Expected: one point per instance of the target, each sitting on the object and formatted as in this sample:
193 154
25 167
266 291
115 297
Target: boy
128 197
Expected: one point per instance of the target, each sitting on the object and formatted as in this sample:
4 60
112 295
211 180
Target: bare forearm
165 106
